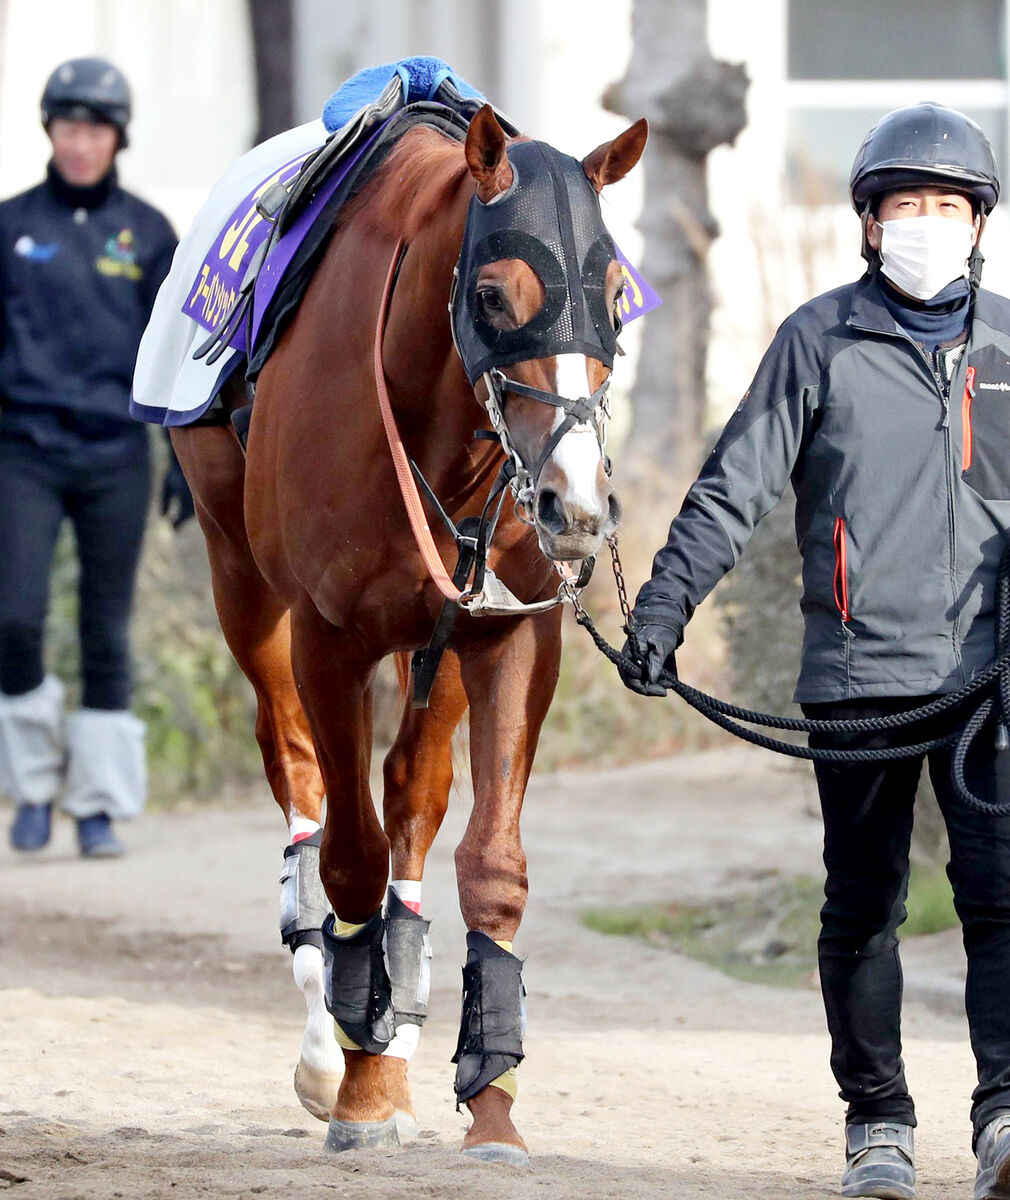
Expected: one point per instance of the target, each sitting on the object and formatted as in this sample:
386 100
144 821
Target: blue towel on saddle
421 78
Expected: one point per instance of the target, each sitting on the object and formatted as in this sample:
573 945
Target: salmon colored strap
404 475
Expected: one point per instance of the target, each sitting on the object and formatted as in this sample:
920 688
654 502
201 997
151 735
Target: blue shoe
32 827
96 839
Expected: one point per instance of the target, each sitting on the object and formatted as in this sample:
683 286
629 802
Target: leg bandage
358 993
408 891
32 750
408 958
304 905
493 1019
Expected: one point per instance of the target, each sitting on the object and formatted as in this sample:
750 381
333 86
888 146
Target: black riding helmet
88 89
919 145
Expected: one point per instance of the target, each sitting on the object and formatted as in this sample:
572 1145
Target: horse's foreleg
418 776
256 627
509 684
334 673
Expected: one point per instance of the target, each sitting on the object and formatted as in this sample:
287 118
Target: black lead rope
995 679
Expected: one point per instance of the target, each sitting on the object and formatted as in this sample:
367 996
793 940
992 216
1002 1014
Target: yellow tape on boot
507 1081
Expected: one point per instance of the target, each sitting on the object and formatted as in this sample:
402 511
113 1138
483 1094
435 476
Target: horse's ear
485 155
613 160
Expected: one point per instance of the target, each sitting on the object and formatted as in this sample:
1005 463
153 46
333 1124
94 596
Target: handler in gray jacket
887 404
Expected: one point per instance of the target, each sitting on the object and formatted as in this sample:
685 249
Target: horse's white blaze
577 456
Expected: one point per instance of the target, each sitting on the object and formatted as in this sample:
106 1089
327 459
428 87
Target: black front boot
358 993
493 1019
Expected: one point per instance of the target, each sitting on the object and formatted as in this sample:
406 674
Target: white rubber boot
107 769
32 753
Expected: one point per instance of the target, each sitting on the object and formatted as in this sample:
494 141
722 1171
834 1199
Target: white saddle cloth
170 387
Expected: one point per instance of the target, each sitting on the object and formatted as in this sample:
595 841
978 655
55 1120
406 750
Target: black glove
176 498
657 645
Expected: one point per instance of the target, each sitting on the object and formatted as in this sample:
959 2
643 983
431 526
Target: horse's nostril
551 513
614 510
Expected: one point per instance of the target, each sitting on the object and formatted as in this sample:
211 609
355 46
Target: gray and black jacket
901 470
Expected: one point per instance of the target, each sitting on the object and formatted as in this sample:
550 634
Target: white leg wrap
107 770
404 1042
319 1047
32 753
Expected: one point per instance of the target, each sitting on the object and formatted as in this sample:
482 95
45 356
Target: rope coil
995 680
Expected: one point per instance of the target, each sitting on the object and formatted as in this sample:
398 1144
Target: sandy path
148 1026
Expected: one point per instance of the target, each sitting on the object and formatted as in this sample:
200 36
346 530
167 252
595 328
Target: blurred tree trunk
693 104
272 23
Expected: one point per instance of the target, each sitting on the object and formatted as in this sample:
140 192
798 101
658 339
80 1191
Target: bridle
473 586
592 411
486 594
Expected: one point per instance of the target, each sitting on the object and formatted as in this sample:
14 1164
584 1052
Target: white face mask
921 255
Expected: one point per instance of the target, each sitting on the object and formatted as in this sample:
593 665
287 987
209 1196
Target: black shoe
32 827
96 839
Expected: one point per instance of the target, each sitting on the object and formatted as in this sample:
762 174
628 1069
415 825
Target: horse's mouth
574 545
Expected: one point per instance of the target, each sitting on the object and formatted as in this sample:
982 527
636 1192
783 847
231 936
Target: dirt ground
149 1026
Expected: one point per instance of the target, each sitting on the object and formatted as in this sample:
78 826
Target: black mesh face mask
550 218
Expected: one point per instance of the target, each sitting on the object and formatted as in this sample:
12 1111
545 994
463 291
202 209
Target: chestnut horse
317 577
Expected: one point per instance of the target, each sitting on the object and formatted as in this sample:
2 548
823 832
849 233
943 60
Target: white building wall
188 63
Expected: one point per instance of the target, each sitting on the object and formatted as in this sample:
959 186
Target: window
851 61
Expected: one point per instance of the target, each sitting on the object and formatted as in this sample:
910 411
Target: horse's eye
618 322
489 301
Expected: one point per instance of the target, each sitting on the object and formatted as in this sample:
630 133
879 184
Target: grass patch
768 935
930 902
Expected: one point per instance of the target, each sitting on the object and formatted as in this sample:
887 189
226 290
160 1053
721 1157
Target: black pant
105 495
867 829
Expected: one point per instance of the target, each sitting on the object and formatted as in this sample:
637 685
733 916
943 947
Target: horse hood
550 218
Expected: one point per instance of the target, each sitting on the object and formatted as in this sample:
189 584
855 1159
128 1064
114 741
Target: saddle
301 214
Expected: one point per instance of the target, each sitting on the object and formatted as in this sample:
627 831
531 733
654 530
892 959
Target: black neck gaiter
80 197
935 322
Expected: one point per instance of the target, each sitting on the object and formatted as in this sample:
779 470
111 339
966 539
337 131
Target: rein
995 679
401 461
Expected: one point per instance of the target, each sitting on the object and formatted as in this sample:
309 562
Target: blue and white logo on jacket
27 247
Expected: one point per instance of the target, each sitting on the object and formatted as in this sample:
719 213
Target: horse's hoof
406 1124
361 1135
497 1152
316 1089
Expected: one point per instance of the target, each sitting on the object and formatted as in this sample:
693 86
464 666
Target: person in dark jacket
885 403
80 263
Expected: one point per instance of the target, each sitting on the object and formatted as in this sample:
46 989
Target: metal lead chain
622 591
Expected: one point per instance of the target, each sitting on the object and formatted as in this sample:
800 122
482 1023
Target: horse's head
534 316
